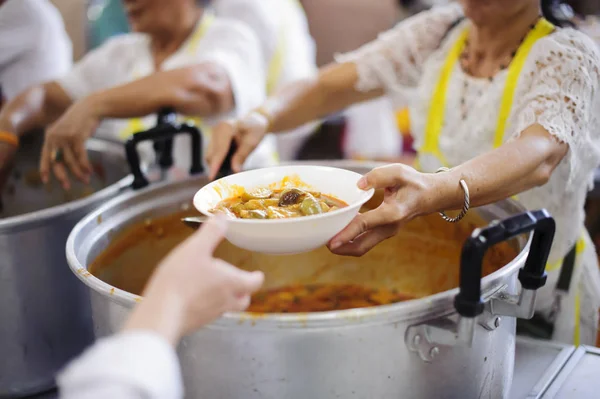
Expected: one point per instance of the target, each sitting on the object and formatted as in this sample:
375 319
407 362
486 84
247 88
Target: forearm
304 101
33 109
515 167
191 90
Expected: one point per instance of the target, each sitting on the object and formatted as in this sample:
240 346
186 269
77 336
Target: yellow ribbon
435 120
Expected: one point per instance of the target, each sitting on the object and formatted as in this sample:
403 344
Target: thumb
382 177
210 235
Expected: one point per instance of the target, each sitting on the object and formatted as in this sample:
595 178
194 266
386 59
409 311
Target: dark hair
553 11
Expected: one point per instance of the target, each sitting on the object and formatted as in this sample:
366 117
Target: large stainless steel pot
416 349
45 316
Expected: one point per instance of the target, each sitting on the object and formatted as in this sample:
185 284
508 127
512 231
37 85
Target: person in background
34 48
188 290
288 48
503 101
180 56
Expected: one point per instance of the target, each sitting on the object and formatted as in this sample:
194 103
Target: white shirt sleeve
257 16
101 68
130 365
35 47
562 74
234 47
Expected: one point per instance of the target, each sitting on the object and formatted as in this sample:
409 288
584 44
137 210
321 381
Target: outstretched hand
247 132
191 288
64 145
405 197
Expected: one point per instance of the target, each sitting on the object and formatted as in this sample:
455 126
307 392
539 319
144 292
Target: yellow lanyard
435 119
276 63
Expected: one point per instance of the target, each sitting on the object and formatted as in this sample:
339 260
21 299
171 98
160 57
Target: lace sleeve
395 59
561 81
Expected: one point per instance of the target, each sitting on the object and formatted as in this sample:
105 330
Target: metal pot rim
33 219
435 305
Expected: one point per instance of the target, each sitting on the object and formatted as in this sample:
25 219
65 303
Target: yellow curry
285 203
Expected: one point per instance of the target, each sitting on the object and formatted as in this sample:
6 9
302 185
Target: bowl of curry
285 209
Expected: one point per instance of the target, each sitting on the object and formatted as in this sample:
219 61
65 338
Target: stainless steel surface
44 311
537 363
358 353
578 378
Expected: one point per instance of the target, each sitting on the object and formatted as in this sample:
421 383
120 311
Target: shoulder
566 51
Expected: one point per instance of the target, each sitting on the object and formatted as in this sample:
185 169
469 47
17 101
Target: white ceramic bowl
294 235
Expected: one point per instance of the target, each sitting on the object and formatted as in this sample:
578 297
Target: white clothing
129 365
366 120
558 89
125 58
34 46
279 25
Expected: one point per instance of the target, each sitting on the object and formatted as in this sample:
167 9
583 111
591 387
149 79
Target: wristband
262 111
9 138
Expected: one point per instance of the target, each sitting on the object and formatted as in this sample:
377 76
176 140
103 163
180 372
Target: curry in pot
301 298
421 260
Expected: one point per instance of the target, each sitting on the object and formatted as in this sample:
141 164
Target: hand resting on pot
189 289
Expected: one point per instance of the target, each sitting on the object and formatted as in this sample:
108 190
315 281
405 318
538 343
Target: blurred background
89 23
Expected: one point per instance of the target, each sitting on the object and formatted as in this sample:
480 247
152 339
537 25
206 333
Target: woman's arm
515 167
331 91
393 62
189 289
35 108
519 165
200 90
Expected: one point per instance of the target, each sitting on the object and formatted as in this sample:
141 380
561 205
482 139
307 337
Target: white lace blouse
558 88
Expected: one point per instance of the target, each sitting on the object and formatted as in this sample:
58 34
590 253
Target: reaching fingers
366 241
382 215
247 144
82 159
241 303
45 162
209 236
383 177
60 172
239 281
221 138
72 163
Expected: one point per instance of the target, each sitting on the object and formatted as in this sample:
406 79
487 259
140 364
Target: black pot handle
532 276
226 168
163 133
164 148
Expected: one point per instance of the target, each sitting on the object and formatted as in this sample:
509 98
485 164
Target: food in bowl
283 233
264 203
